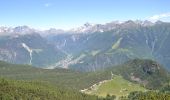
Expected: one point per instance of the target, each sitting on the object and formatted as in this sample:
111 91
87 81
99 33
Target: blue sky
66 14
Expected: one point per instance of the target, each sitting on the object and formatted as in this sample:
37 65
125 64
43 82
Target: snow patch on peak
86 28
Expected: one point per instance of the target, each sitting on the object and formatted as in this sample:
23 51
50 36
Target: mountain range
90 47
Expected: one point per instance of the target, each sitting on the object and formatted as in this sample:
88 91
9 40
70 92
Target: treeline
64 77
21 90
151 74
151 95
162 94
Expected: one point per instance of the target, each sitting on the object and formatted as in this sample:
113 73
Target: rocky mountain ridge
88 48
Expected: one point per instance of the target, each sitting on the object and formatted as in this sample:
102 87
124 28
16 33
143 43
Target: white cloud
160 16
47 4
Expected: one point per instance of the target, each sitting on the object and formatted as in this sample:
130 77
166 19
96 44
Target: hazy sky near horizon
66 14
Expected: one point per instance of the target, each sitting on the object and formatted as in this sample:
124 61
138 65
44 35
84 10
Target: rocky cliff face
28 49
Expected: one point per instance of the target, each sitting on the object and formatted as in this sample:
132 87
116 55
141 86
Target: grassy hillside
117 86
148 73
64 77
145 72
22 90
32 90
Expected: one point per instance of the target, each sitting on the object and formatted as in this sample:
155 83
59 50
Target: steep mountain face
88 48
128 40
28 49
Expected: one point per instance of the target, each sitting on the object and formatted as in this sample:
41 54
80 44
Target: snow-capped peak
17 30
87 27
88 24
